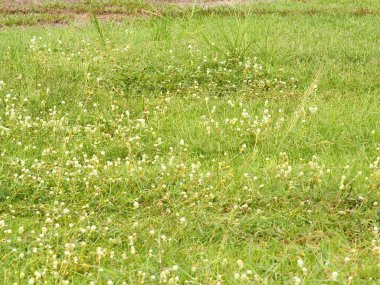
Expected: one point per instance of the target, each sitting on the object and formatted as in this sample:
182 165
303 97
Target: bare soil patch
10 3
79 11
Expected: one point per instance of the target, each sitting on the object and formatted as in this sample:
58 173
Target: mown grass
201 149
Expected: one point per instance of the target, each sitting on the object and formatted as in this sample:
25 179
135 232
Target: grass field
187 145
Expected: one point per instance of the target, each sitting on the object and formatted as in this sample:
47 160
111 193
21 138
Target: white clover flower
37 274
100 252
334 276
313 110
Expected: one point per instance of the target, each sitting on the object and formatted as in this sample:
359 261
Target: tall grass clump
219 63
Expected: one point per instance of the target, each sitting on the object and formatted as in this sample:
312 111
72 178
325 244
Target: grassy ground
207 146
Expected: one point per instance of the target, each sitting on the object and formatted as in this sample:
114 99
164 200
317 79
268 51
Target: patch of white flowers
109 190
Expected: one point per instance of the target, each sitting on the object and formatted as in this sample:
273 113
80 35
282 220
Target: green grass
209 148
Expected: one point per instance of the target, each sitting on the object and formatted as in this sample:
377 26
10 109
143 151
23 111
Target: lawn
189 145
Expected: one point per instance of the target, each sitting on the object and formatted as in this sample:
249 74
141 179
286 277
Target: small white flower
313 110
37 274
297 280
334 276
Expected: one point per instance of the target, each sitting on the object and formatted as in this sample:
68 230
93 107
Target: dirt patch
31 12
10 3
210 3
204 2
